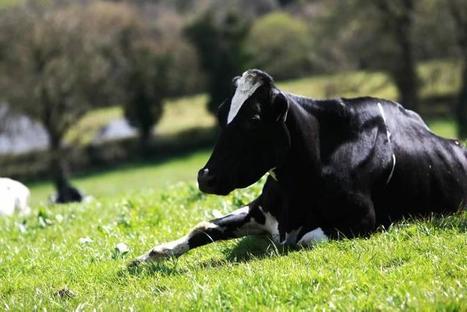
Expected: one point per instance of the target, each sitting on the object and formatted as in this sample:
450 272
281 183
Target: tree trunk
398 19
462 104
144 141
459 16
66 193
406 81
405 74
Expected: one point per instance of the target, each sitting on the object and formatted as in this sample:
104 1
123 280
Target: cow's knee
363 221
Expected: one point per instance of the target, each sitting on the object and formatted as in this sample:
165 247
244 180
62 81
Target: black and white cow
337 167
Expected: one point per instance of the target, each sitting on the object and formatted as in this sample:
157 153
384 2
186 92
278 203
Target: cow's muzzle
206 181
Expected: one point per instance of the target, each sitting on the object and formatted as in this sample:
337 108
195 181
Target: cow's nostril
206 178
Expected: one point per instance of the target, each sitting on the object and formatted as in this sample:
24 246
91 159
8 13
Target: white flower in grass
122 248
85 240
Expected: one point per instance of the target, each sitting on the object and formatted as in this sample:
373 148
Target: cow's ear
235 81
222 112
280 106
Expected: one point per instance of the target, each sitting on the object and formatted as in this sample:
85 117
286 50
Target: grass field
413 266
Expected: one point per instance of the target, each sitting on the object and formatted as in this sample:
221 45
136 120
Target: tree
397 18
146 86
375 35
458 10
280 44
150 62
53 73
220 48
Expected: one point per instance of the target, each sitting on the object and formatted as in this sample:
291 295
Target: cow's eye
255 121
256 118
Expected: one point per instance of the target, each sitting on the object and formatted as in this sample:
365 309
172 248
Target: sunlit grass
439 78
185 113
444 127
7 3
131 177
416 265
179 115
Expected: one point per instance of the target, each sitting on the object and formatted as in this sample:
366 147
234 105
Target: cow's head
253 137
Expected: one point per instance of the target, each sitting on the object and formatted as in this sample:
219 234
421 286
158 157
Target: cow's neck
302 163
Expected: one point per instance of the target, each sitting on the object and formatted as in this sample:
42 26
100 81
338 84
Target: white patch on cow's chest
246 86
271 225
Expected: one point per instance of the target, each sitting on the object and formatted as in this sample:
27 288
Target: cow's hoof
135 263
139 261
153 256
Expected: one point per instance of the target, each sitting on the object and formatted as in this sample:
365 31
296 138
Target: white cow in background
14 196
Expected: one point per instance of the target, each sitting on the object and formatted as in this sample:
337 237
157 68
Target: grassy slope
415 265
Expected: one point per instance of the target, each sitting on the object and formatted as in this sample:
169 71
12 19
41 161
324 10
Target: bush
280 44
220 47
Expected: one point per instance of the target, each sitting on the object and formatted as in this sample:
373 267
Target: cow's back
430 173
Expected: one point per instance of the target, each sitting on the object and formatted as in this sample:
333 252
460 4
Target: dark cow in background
337 167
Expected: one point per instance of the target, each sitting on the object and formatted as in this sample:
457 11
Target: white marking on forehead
246 86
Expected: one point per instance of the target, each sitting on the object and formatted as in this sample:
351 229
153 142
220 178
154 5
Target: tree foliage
219 43
280 44
52 72
146 84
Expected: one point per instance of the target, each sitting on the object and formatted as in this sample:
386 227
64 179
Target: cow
14 197
337 168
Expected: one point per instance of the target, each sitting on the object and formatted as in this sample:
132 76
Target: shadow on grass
257 247
456 221
248 249
252 248
167 267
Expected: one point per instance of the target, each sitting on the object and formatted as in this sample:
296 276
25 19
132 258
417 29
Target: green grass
7 3
416 265
444 127
437 78
125 179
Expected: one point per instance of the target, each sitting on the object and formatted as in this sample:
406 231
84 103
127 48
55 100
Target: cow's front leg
244 221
